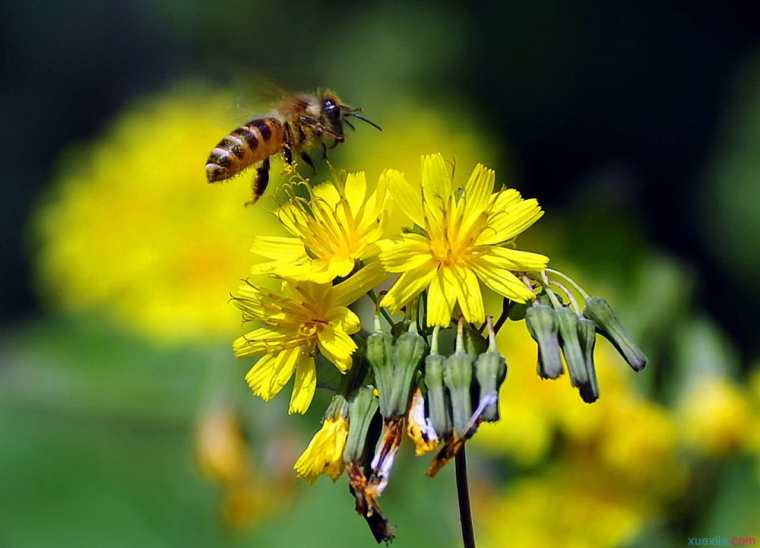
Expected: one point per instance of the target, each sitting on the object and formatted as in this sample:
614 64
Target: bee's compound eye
328 105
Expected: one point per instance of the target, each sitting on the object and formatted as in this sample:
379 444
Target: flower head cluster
417 375
330 232
464 239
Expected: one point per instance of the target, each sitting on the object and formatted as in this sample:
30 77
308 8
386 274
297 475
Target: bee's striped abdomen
248 144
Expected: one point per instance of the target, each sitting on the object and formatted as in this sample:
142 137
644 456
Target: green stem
463 495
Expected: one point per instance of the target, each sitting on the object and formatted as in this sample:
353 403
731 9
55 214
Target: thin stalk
569 279
372 295
463 495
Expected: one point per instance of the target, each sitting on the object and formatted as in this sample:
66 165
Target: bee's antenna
366 120
349 124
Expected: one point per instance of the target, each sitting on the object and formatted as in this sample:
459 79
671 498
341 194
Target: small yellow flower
299 319
324 454
465 240
330 232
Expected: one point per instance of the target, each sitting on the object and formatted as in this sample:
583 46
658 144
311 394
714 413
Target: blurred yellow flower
324 454
564 506
132 230
715 415
463 242
220 447
302 317
330 232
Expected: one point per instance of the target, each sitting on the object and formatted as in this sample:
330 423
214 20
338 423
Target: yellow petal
358 284
356 191
515 260
502 282
345 319
336 346
407 195
477 195
278 247
272 372
436 178
305 385
441 298
506 224
408 286
327 193
260 340
411 251
469 296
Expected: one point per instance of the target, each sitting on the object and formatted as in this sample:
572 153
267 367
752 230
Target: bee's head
334 113
331 113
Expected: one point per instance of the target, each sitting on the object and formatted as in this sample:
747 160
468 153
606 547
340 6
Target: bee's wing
256 95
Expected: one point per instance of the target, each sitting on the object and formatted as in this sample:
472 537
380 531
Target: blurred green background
125 420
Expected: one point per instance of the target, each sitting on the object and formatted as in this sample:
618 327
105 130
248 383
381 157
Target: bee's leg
260 181
287 154
324 151
306 158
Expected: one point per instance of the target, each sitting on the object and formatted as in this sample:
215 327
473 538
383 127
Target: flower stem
463 494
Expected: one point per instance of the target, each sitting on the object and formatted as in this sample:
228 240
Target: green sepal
608 325
361 411
457 375
587 334
490 370
541 322
436 396
380 357
567 321
408 352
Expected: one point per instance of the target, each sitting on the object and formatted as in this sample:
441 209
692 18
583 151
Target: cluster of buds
561 329
409 386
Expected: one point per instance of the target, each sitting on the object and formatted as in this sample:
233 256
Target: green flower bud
380 357
361 411
490 370
407 356
587 335
609 326
437 399
457 374
567 321
542 326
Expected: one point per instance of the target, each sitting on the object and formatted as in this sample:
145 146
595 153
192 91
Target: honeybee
296 123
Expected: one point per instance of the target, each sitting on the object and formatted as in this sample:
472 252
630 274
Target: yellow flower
299 319
464 241
324 454
220 446
133 231
330 232
716 416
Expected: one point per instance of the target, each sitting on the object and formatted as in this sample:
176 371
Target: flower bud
587 335
361 411
567 321
407 356
379 356
437 399
457 374
609 326
542 326
490 370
